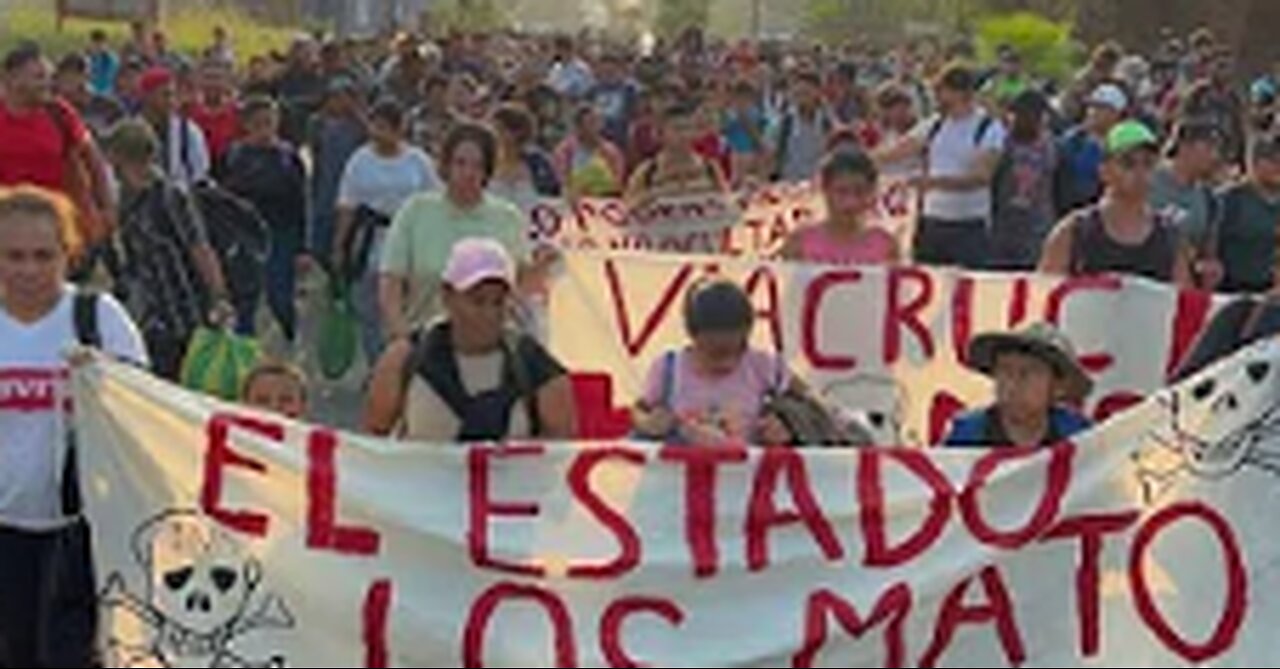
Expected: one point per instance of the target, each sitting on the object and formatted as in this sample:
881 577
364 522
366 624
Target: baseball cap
1264 91
474 261
1110 96
1131 136
154 79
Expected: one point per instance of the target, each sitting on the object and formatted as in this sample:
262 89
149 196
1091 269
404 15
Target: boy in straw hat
1035 371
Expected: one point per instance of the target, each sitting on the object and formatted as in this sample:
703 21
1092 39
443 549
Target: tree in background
676 16
471 15
1046 46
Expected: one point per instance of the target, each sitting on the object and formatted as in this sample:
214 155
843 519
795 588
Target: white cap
1110 96
474 261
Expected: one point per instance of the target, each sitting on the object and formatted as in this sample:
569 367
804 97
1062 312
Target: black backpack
238 234
483 417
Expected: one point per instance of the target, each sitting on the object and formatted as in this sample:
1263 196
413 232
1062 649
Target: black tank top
1093 251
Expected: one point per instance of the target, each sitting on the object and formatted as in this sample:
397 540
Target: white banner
753 224
229 539
889 341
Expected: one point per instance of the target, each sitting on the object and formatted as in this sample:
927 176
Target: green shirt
1247 243
1005 89
423 234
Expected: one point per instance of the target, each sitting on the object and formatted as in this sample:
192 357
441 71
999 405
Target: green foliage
828 19
1046 46
675 16
190 30
471 16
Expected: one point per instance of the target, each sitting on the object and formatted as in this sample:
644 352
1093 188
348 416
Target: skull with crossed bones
199 591
1220 423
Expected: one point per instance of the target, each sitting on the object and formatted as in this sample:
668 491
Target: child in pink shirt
850 186
714 391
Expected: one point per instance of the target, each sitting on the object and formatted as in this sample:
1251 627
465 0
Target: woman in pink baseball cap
468 378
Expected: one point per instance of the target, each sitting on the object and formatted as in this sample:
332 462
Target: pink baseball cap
477 260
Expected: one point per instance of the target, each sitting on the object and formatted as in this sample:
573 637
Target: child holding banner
1034 370
715 390
277 387
850 184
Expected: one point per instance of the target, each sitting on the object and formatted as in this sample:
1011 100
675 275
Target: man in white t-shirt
47 602
961 150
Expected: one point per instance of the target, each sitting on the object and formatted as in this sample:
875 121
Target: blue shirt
737 131
982 428
1082 156
103 68
616 102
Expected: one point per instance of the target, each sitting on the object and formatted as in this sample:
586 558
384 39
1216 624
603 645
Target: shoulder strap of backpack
984 126
934 130
517 366
669 361
58 114
779 375
436 364
785 128
184 146
85 318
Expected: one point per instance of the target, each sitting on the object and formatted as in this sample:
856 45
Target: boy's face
1129 175
720 352
215 81
278 393
263 124
1025 384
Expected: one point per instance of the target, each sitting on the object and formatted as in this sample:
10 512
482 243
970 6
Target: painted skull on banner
200 596
1219 423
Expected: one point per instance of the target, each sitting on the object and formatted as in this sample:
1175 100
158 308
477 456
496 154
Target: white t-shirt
189 160
385 184
572 79
34 401
955 152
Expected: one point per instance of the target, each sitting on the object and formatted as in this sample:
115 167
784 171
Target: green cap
1130 136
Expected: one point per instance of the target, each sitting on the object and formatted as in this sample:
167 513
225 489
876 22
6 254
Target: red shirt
33 146
645 143
712 147
221 127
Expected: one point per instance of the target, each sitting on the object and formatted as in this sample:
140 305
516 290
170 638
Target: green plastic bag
218 362
339 334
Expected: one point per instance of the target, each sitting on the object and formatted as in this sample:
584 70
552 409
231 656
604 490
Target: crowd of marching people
183 192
